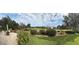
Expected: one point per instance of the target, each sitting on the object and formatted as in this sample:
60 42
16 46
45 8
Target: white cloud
36 19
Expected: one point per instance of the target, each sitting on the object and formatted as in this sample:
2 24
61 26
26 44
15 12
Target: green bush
23 37
51 32
33 32
42 32
26 29
70 32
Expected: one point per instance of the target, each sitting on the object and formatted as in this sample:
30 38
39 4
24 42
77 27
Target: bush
51 32
70 32
42 32
77 32
14 31
23 37
26 29
33 32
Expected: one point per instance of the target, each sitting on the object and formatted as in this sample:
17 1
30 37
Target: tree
22 25
7 21
67 22
28 25
72 21
74 17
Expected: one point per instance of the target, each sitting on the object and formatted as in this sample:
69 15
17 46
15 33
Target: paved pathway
8 39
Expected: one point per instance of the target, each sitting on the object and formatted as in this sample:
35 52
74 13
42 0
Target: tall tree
67 23
8 21
72 21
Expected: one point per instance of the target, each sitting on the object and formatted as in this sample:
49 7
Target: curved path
8 39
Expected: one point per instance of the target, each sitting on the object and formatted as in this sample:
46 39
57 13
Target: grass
39 41
24 39
74 42
63 40
38 28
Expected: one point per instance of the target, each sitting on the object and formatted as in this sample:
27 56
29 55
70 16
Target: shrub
42 32
23 37
14 31
26 29
77 32
70 32
51 32
33 32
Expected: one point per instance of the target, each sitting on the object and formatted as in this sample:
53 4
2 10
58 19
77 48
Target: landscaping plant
23 37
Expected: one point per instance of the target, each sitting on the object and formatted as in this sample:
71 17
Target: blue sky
36 19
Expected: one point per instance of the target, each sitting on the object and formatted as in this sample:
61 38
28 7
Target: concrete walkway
8 39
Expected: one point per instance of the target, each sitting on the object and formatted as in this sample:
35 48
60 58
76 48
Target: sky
36 19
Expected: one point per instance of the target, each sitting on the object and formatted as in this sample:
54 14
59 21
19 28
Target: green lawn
61 40
45 40
74 42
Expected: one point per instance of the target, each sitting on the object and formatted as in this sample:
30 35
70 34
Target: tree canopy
8 21
72 21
